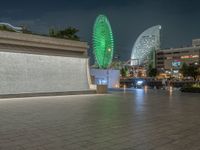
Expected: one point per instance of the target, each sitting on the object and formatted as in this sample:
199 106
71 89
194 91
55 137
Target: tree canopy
5 28
152 72
67 33
189 70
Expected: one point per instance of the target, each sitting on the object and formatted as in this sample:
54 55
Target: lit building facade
147 43
171 60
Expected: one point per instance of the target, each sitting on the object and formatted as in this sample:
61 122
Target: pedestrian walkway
128 120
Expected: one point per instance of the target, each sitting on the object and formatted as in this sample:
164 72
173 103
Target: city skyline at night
129 19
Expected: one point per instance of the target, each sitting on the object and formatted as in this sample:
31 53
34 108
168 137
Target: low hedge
191 90
195 88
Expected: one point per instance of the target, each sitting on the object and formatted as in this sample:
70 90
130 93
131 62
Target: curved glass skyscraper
146 43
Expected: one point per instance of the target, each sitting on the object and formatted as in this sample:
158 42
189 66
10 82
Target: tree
117 65
25 29
124 71
191 70
152 72
184 70
67 33
5 28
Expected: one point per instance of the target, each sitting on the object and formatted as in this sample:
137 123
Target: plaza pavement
131 120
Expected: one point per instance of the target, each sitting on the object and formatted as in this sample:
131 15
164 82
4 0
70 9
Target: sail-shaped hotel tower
145 44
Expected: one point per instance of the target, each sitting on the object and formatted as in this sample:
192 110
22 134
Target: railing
158 84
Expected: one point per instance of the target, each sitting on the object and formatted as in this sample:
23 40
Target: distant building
171 60
195 42
146 44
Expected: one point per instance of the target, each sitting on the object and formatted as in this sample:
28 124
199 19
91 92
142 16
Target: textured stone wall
31 73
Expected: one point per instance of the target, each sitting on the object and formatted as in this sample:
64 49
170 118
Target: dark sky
180 19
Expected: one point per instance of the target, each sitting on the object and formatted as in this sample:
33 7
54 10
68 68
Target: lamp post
199 57
107 51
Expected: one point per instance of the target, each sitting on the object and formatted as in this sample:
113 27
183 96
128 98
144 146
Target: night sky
180 19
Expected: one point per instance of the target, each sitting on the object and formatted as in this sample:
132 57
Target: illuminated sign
176 64
189 56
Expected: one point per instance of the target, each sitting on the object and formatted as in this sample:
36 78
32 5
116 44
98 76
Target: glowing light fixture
103 44
139 82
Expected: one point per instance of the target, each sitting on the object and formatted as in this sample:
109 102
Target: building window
176 52
168 53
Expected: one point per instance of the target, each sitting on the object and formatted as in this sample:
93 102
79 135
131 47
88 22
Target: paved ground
138 119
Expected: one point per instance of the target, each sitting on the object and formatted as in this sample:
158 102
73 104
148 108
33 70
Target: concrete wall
30 73
35 64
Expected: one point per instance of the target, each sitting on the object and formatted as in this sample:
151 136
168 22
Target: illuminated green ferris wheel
103 44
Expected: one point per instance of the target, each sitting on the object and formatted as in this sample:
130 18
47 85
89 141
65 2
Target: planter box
102 89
